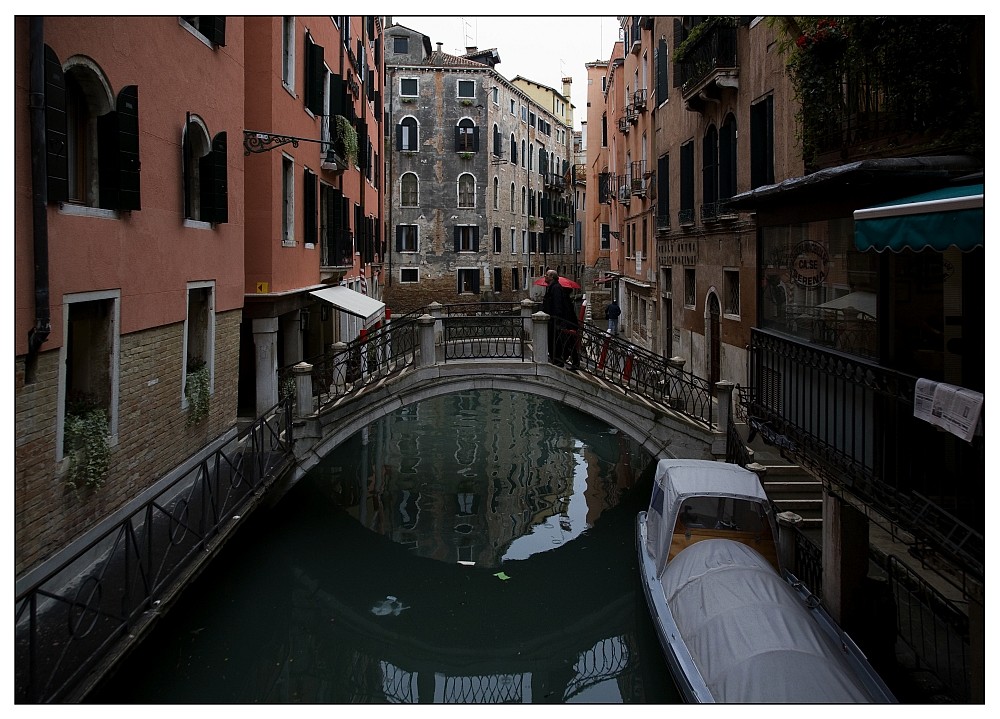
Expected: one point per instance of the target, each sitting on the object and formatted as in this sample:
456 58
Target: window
689 289
468 281
762 143
685 215
467 89
605 236
466 238
466 136
524 242
406 135
288 201
315 95
466 190
497 241
408 186
496 95
336 247
523 152
513 242
310 230
409 274
515 276
524 201
497 142
400 44
663 192
288 53
660 59
90 357
732 292
727 158
710 166
496 193
498 279
409 87
513 150
205 174
406 238
199 336
211 29
512 192
513 108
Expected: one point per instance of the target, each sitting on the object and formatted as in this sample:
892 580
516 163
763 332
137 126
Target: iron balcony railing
67 621
639 99
851 421
717 210
685 217
714 51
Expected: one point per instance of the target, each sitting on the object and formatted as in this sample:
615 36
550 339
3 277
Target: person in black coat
563 325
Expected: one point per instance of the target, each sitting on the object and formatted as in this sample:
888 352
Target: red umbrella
564 281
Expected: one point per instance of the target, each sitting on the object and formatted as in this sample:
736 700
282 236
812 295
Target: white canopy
354 303
678 479
750 636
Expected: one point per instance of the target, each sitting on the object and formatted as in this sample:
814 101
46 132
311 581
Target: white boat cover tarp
751 637
677 479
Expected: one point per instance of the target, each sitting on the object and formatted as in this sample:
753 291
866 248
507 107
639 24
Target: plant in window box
466 155
467 103
349 136
406 100
196 391
531 222
86 442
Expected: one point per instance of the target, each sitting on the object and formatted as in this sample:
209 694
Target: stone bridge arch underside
662 431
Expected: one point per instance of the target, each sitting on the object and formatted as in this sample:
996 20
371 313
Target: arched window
512 192
524 201
466 190
408 195
497 142
523 153
710 167
727 158
513 151
496 193
206 196
406 135
466 136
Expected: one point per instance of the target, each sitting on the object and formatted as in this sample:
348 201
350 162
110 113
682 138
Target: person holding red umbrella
563 326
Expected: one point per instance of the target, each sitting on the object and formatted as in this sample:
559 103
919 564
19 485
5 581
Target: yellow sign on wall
263 288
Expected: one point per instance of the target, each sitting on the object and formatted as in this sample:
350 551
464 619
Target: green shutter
214 169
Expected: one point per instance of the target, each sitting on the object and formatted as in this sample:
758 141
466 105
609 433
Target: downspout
388 186
38 334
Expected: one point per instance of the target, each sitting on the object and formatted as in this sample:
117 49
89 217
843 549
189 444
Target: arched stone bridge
637 409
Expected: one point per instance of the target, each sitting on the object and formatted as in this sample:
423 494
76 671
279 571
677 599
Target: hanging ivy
699 31
196 389
86 441
349 136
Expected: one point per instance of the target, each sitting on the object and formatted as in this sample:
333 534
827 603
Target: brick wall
152 436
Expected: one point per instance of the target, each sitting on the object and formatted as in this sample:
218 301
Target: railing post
303 389
436 310
676 365
724 400
526 308
339 351
788 523
540 336
426 330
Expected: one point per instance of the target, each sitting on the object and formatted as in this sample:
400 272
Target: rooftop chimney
439 46
566 82
469 49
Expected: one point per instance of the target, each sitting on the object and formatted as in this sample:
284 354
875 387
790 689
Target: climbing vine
196 389
349 136
86 441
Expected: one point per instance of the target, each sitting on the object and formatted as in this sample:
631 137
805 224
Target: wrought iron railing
635 369
485 337
716 50
68 620
851 421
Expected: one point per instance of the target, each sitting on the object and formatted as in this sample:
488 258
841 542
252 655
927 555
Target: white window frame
116 297
727 273
416 80
458 88
458 192
288 53
401 204
209 341
410 269
466 238
288 200
416 239
416 132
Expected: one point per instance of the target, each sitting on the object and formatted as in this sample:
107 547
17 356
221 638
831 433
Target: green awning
939 219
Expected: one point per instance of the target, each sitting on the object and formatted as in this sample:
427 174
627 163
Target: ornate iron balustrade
851 422
489 337
68 620
685 218
715 51
717 210
650 375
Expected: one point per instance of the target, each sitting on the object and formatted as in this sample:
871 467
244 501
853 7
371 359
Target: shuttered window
118 153
214 171
315 77
663 191
661 58
310 232
687 183
762 143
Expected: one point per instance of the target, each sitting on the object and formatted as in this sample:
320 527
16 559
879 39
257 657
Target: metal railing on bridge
68 620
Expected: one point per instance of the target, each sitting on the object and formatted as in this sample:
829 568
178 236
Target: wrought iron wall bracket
256 142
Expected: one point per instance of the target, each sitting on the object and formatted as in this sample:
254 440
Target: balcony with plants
871 87
705 61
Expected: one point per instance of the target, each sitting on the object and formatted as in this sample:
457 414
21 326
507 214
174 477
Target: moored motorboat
735 625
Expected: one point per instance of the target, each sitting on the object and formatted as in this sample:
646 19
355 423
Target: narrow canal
474 548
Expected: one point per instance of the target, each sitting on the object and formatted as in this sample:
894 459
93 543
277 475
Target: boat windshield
724 513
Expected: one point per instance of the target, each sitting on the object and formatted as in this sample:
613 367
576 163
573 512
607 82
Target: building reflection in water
475 548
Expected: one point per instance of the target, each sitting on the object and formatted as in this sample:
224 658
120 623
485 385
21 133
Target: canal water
474 548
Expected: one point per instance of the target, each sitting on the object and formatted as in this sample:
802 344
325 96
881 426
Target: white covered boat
734 626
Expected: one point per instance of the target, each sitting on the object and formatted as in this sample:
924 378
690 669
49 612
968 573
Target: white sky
541 48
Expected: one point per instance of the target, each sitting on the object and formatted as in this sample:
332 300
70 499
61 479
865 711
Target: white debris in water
387 606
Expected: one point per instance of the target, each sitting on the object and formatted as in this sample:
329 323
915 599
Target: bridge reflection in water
474 548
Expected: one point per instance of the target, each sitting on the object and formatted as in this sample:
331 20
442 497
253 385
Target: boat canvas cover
677 479
750 635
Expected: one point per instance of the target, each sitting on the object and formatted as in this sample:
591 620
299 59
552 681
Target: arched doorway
714 339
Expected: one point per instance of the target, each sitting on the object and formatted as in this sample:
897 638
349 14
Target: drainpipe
38 334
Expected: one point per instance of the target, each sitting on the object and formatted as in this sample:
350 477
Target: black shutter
662 83
399 136
687 176
475 243
475 281
513 150
337 90
475 139
56 146
334 225
314 77
310 234
363 144
213 27
663 186
378 53
118 153
186 160
679 35
458 138
727 159
399 238
458 239
214 169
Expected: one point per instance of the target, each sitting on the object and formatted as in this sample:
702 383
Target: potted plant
349 136
86 442
467 103
466 155
197 391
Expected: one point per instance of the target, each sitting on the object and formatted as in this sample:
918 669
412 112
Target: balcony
685 218
555 181
663 223
556 222
631 114
624 194
717 211
709 65
638 177
639 100
623 125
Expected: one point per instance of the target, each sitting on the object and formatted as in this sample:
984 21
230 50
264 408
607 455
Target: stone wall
152 435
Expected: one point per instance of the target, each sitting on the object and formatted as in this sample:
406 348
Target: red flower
801 42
